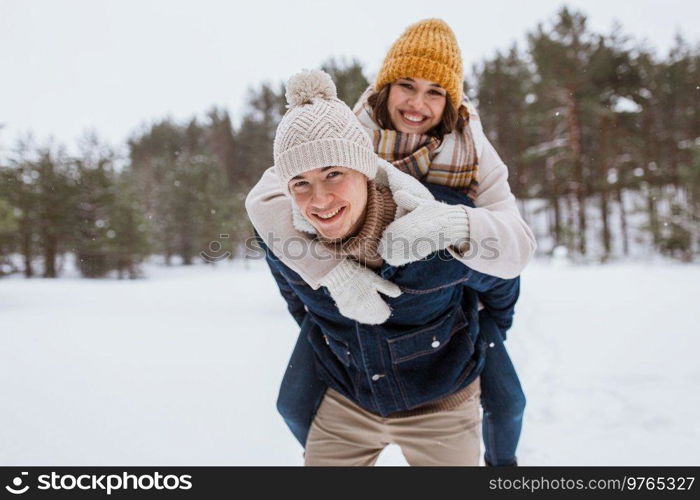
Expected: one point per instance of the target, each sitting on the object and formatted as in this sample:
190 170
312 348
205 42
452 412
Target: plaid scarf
451 162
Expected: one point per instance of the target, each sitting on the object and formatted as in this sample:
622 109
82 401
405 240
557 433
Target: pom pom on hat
304 87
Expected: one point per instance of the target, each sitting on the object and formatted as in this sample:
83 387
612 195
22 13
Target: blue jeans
502 398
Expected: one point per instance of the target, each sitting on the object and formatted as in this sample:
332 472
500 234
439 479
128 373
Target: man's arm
296 307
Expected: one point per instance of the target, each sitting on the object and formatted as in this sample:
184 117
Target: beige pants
343 434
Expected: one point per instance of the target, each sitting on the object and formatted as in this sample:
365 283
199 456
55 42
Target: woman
414 379
444 151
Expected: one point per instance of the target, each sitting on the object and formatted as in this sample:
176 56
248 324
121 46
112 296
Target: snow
182 368
624 104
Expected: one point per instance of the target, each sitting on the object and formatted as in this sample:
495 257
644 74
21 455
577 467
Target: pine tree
503 96
349 80
221 142
9 225
19 188
562 54
95 198
256 134
128 232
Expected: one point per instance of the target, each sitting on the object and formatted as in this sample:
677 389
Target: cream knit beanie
319 130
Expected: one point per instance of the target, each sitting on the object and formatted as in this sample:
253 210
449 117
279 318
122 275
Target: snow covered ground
182 368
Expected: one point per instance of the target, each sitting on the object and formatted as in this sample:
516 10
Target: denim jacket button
376 376
435 344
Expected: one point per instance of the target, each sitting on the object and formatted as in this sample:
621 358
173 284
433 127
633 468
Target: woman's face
415 105
332 199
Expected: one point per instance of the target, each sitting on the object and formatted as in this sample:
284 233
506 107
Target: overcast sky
66 66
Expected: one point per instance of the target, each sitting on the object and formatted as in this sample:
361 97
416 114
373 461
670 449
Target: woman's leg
447 438
343 434
502 397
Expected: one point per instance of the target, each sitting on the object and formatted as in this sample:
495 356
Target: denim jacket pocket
339 348
434 361
426 340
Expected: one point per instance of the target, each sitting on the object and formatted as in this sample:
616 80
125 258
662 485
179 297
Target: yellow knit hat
428 50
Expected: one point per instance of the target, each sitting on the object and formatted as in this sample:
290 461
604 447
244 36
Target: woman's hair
450 117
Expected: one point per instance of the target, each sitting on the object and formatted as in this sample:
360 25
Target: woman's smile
413 119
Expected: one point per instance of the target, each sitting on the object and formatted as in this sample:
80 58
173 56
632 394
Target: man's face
332 199
415 106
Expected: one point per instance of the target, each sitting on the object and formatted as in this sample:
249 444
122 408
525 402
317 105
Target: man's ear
300 223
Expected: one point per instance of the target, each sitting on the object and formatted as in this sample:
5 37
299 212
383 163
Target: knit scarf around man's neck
451 162
362 247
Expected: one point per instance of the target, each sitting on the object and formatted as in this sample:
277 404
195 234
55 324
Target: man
414 379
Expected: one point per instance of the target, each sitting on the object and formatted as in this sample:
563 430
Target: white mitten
396 180
428 226
356 289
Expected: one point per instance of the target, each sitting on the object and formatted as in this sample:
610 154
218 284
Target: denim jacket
429 347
